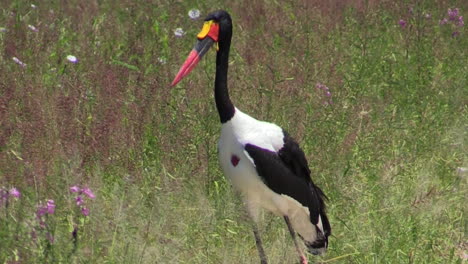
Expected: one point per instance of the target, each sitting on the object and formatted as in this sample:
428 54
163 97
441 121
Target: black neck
223 102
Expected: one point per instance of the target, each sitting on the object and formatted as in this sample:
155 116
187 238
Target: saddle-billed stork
262 161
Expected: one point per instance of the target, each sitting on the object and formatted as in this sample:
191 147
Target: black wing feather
287 172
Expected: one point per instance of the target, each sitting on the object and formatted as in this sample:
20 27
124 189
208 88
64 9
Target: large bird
262 161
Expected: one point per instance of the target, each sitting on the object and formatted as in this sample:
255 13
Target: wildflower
453 14
455 34
460 21
33 6
50 206
89 193
79 200
75 189
72 59
327 93
427 15
162 60
85 211
410 10
179 32
321 87
462 170
2 29
3 195
194 14
14 192
402 23
41 210
20 63
464 256
443 21
33 28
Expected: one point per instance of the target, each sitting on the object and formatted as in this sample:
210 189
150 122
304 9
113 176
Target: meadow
101 161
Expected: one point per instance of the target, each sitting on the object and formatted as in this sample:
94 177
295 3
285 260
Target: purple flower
321 86
326 91
460 21
85 211
41 210
79 200
402 23
75 189
443 21
455 34
14 192
89 193
453 14
50 206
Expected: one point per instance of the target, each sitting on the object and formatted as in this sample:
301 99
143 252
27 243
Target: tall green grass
387 146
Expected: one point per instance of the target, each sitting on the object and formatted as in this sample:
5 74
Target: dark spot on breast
234 160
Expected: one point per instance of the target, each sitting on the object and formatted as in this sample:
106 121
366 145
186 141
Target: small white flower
33 6
194 14
462 170
2 29
20 63
33 28
162 60
72 59
179 32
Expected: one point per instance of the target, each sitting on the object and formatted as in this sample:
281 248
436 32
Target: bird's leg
296 244
258 242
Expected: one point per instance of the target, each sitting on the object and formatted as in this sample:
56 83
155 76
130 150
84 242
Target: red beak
193 58
187 67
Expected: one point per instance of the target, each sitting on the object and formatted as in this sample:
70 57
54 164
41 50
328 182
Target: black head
224 20
219 16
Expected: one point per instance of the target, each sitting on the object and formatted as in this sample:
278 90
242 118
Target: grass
390 150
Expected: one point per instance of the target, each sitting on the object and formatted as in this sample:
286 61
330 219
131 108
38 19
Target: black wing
294 158
287 172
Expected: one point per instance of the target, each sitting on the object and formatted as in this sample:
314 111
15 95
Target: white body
235 134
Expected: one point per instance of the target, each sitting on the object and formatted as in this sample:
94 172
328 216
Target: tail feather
320 244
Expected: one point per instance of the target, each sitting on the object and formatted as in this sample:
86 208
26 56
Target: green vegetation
388 144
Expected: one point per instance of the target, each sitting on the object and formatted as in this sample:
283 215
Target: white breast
235 134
